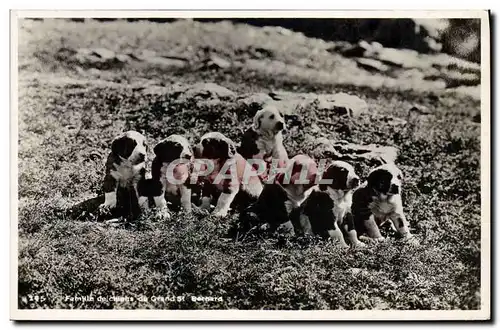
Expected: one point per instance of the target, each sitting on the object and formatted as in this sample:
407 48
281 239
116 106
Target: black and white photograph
191 165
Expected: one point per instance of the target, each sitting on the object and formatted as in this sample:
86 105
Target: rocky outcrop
290 103
371 154
105 59
407 63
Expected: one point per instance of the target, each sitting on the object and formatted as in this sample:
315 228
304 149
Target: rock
455 79
256 100
143 54
166 61
342 103
359 50
404 58
370 154
289 103
152 57
321 148
99 58
471 91
156 90
260 52
104 53
216 62
454 63
420 110
372 65
204 91
123 58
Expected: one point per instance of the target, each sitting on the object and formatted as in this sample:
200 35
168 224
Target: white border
483 314
255 13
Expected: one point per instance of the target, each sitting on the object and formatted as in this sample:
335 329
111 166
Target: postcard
250 165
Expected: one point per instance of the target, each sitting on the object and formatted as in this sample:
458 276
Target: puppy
280 200
329 207
225 172
378 201
125 169
171 170
264 140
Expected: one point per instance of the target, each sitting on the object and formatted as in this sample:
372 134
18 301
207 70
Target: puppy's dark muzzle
140 159
197 151
354 183
187 156
279 126
394 189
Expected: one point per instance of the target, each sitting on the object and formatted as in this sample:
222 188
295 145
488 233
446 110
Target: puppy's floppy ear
374 178
231 148
116 145
325 175
159 148
123 146
257 120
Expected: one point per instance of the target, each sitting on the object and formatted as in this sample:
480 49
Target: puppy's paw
358 245
371 240
205 203
365 239
343 245
163 214
220 213
264 227
105 209
286 230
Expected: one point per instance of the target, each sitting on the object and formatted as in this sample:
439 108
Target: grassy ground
69 114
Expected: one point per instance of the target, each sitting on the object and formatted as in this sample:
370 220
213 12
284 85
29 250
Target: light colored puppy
264 140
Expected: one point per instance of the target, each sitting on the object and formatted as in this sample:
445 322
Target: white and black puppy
378 201
281 199
171 170
125 169
327 211
227 172
264 140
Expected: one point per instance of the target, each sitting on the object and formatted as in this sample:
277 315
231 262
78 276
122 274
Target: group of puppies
300 198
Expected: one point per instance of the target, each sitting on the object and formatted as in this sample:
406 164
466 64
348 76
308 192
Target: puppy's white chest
126 173
296 197
382 209
341 208
167 180
265 146
341 202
